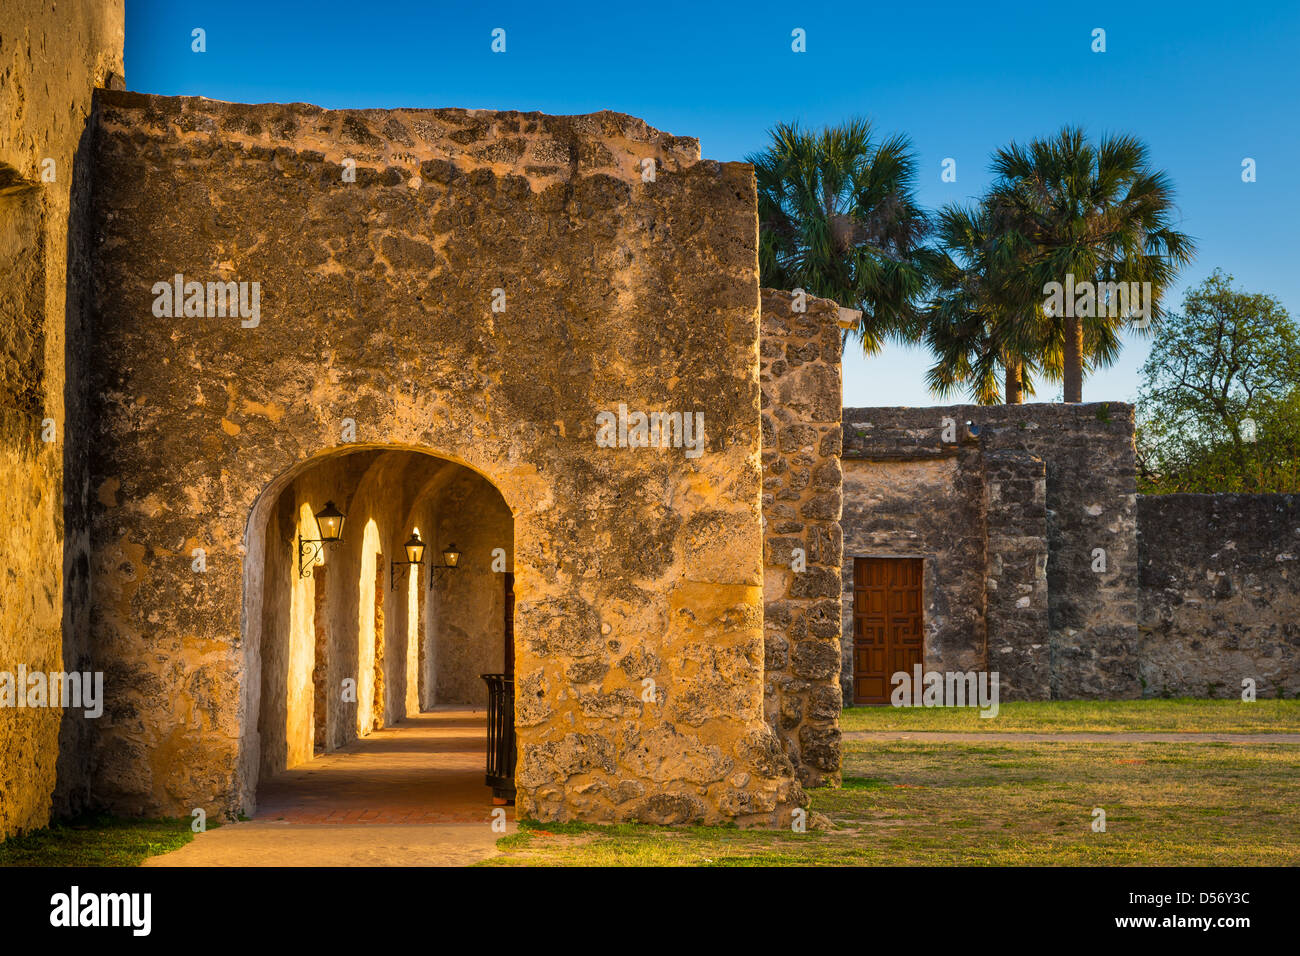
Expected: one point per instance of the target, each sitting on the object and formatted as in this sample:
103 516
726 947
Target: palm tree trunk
1015 390
1073 370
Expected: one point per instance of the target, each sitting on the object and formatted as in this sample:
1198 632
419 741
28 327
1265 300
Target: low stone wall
802 545
1220 589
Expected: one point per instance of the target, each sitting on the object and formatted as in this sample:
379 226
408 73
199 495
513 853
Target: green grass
97 841
1090 716
1020 804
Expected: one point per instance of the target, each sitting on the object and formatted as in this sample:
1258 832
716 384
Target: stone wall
1018 614
51 58
381 303
926 508
800 376
1220 578
962 486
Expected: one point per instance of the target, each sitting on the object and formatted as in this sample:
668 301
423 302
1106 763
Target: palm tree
838 218
977 319
1097 213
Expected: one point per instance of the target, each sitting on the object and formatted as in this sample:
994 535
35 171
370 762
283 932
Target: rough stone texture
931 509
802 486
1220 579
1017 612
50 60
377 306
974 507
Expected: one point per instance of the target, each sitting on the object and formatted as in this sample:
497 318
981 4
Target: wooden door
887 620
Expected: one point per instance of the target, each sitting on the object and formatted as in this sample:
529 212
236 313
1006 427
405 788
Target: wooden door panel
887 624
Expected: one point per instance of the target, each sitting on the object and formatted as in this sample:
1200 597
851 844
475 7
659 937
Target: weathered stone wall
1089 520
1220 578
377 306
930 508
800 376
1018 615
51 58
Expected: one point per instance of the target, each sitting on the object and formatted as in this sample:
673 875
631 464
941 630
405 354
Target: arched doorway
343 640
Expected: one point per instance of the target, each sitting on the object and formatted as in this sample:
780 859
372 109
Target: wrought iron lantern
329 525
450 561
414 556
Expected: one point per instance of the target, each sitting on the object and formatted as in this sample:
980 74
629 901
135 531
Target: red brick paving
425 769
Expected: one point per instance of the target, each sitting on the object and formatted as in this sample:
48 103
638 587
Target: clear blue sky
1205 84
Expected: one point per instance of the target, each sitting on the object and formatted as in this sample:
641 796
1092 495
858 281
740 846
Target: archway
343 642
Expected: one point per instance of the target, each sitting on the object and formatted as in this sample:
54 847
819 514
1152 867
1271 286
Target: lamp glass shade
451 557
414 549
329 520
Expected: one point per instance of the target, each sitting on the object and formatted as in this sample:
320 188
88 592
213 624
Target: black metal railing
500 774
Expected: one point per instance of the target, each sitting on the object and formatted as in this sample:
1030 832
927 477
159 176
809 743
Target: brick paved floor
408 795
426 769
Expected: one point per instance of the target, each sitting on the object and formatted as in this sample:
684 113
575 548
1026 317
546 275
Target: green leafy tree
1099 213
1219 406
838 218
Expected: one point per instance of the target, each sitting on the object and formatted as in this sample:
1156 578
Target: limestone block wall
1088 518
483 288
1220 599
802 546
1017 609
1092 545
51 58
931 508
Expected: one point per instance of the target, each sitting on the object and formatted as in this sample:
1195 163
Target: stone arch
362 615
639 586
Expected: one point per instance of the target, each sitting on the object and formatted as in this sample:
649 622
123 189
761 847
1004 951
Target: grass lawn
97 841
909 803
1090 716
1018 803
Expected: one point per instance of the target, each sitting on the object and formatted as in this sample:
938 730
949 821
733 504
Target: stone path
407 795
945 737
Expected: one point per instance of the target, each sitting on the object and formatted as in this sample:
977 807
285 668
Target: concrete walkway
407 795
946 737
